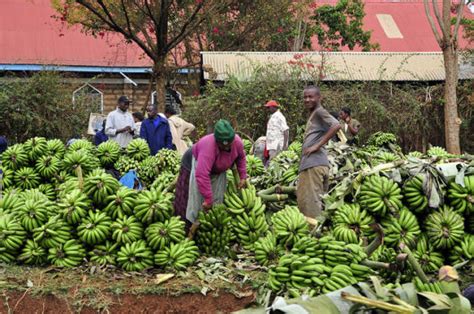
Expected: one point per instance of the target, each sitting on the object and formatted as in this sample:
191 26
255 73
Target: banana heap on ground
214 232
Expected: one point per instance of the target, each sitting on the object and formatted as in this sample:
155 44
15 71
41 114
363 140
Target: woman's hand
206 206
242 184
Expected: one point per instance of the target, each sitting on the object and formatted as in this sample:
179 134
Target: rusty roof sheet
335 66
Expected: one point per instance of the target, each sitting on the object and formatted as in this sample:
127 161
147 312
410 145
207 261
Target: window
89 96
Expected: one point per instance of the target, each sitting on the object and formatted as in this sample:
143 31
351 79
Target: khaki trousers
312 183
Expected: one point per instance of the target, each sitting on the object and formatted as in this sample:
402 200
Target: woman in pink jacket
202 179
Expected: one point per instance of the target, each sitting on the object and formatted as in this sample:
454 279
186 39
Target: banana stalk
377 304
414 263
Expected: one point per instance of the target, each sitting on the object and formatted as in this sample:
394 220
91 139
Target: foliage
40 106
379 106
341 25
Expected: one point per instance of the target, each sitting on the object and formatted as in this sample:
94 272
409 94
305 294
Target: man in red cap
277 131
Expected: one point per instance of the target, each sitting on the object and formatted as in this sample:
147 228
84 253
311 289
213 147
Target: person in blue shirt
156 131
100 136
3 144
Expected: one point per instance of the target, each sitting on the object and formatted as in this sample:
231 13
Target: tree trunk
451 119
160 87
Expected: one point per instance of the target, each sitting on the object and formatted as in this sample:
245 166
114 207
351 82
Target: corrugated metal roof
335 66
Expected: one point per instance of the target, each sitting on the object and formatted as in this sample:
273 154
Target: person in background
314 165
3 144
156 131
277 131
120 126
100 135
138 119
349 126
202 179
179 129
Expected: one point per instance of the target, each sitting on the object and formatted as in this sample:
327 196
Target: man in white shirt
277 130
120 125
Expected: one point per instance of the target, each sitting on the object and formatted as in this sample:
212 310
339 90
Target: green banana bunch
380 139
81 145
55 147
437 151
444 228
386 254
9 203
121 203
6 256
341 276
52 233
161 234
296 147
461 198
7 178
164 180
429 260
415 154
26 178
385 157
266 249
249 228
434 287
289 225
124 164
48 190
70 254
168 160
361 272
290 176
108 152
404 229
414 194
138 149
298 273
135 256
148 169
12 234
307 245
94 228
67 187
73 206
36 147
33 213
463 251
247 146
47 166
33 254
61 177
380 195
104 254
246 202
334 252
254 166
15 157
178 256
99 185
126 230
74 159
350 223
214 232
153 206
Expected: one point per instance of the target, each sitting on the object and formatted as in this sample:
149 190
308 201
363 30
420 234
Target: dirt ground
16 302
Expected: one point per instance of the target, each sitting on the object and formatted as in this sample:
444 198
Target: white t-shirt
116 120
276 127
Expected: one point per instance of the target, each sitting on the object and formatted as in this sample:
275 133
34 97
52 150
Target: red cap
272 103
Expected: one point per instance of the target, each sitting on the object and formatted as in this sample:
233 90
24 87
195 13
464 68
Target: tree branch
440 21
184 29
432 23
458 20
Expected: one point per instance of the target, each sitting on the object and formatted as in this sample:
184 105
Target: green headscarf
223 132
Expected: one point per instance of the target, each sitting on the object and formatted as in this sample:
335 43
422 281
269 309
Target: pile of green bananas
94 228
444 228
244 201
380 195
108 153
126 230
161 234
35 147
154 205
168 160
124 164
214 232
12 236
73 206
247 146
350 223
463 251
385 157
429 260
178 256
53 233
73 159
148 169
81 145
55 147
14 157
249 228
138 149
135 256
266 250
33 254
437 151
47 166
121 203
381 139
461 198
415 154
403 229
290 176
104 254
164 180
7 177
99 185
414 194
289 225
69 254
296 147
254 166
26 178
33 212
